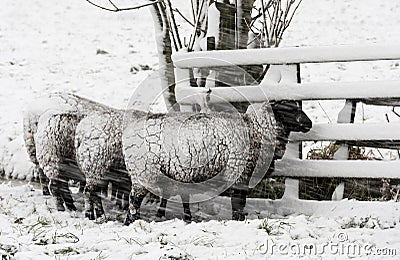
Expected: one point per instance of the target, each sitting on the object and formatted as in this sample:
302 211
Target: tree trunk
164 49
244 8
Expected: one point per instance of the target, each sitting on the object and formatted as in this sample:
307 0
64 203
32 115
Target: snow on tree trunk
164 49
244 8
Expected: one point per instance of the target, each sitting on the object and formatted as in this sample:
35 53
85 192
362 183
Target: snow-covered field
69 45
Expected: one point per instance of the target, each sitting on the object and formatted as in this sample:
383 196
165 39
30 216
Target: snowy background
70 45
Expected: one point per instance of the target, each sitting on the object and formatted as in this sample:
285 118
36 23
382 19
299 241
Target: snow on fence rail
293 91
288 55
291 165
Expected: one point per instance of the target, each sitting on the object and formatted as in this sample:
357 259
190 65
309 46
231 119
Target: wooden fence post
346 115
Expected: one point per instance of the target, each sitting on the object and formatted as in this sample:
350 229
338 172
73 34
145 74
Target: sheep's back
98 144
53 103
55 142
186 147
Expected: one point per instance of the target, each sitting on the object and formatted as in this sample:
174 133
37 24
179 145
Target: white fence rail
293 91
288 55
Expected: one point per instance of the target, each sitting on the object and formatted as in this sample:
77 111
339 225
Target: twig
326 114
255 39
186 19
193 12
116 9
265 19
294 11
113 4
174 27
191 44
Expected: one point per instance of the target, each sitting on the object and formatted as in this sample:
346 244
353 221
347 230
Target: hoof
187 218
119 204
100 213
60 205
160 214
60 208
130 218
127 222
238 215
89 215
46 191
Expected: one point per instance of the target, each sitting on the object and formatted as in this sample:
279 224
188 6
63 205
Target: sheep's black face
290 114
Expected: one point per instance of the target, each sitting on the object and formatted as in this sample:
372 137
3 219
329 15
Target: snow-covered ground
31 228
70 45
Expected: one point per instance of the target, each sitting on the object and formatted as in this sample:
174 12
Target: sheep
69 121
68 138
98 146
55 151
209 143
62 102
49 129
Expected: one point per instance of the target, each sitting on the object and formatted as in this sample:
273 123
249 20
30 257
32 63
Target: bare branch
290 20
116 9
274 17
196 25
264 19
186 19
113 4
174 27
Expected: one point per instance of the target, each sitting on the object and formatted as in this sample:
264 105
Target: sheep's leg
89 205
126 201
123 199
135 200
82 185
66 195
44 182
161 209
124 188
97 203
238 202
55 191
187 215
119 198
114 191
104 190
93 202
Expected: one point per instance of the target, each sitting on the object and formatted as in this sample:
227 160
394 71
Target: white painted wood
332 168
338 194
287 55
344 132
291 189
294 91
346 115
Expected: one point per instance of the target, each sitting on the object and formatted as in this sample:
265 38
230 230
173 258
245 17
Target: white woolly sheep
194 147
56 102
98 145
49 129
